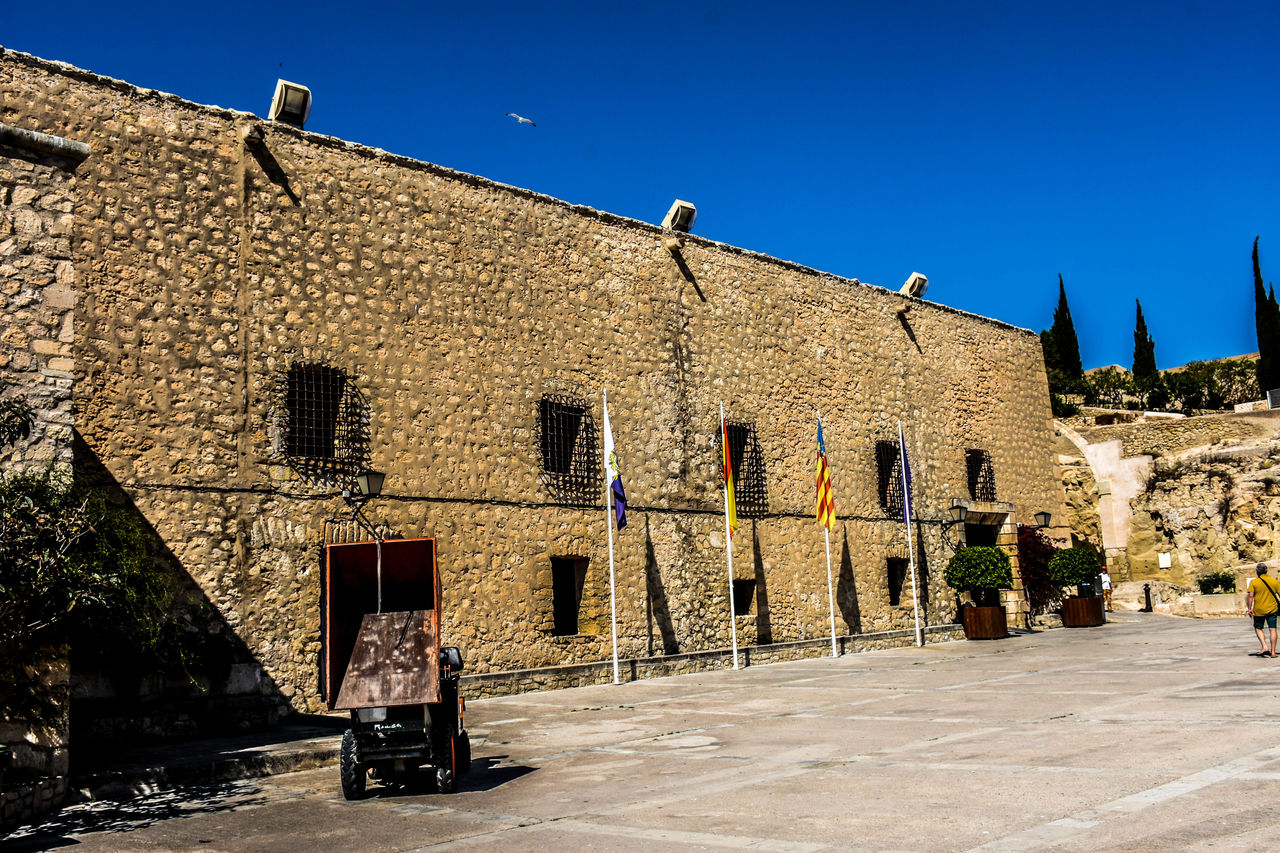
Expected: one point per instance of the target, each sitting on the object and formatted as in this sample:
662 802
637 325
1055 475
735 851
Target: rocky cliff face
1211 501
1081 490
1208 511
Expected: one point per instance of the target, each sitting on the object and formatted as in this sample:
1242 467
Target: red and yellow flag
826 502
730 501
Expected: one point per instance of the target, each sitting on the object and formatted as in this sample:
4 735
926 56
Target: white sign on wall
1166 559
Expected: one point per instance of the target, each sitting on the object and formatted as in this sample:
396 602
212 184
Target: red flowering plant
1034 552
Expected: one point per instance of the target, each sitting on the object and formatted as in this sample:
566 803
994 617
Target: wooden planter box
1082 612
984 623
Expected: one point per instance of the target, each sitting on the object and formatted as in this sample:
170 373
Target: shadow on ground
486 774
127 815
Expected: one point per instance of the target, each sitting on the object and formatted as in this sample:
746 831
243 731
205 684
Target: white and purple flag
615 475
906 476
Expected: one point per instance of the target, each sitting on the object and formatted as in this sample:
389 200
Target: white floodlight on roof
680 217
291 103
916 285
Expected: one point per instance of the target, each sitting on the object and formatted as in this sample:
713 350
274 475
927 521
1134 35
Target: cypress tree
1267 322
1065 343
1051 365
1274 310
1145 373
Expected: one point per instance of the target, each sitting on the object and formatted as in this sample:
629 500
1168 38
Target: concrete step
125 772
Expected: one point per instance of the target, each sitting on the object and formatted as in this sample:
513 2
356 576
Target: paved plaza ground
1149 733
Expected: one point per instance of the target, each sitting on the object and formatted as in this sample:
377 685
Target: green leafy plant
1074 566
1165 471
75 569
980 570
1108 387
1220 581
16 420
71 562
1063 408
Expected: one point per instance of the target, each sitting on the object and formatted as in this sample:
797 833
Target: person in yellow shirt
1264 604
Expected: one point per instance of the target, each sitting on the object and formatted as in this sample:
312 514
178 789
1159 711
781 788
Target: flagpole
608 524
728 544
831 595
906 517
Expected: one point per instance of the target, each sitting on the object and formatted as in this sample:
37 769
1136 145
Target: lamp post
369 483
959 514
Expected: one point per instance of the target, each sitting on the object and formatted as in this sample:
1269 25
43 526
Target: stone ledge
24 803
510 682
67 150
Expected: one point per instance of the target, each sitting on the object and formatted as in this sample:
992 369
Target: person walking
1105 577
1264 604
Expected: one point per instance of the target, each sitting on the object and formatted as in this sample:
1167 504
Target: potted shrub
1078 567
981 571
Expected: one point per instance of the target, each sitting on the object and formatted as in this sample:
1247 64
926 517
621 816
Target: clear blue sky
1131 147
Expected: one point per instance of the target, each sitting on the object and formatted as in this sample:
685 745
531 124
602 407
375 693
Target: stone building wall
1167 437
37 295
210 261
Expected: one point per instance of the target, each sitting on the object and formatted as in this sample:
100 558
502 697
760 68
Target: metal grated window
889 477
569 449
324 424
982 476
750 488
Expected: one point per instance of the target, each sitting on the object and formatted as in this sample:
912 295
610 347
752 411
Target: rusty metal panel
348 592
396 661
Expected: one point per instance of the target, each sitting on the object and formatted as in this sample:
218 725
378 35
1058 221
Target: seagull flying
522 120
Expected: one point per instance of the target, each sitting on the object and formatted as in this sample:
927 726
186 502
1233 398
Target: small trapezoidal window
324 433
896 570
982 476
750 488
889 477
568 577
569 450
744 593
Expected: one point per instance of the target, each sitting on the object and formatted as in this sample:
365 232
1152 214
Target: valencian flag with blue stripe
615 475
826 502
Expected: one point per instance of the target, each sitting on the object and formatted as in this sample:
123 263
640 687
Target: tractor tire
445 783
462 749
350 770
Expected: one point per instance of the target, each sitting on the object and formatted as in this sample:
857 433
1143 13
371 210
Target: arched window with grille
323 424
569 449
982 475
889 477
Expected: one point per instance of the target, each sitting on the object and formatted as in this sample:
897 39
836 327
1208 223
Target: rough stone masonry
260 311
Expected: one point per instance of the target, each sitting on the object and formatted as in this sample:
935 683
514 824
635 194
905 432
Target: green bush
979 568
1074 566
1211 582
75 567
1063 408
